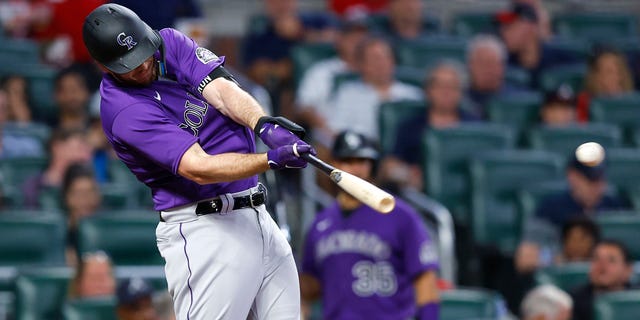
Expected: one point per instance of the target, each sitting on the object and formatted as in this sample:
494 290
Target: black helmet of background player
351 144
118 39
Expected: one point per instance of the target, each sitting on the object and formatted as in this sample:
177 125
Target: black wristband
260 123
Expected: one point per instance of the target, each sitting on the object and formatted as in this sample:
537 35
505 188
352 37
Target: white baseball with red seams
590 153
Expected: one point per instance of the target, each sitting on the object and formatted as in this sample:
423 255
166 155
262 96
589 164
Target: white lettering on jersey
355 242
194 116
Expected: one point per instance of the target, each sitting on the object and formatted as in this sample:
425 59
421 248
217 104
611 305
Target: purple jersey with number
151 127
367 261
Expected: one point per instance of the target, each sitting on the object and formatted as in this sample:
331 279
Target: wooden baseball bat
360 189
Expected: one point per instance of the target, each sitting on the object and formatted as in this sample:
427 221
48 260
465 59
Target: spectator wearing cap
585 197
518 28
559 107
610 271
317 84
135 300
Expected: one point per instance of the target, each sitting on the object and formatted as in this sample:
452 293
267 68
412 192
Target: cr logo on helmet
125 40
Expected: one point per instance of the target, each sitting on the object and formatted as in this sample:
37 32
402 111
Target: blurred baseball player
367 265
179 121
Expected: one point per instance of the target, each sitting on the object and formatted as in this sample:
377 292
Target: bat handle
316 162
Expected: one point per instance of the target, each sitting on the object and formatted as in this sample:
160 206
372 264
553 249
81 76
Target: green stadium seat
623 111
623 167
446 154
412 76
379 23
595 26
580 49
424 53
91 309
40 293
19 51
566 277
496 178
622 305
623 228
305 55
128 239
518 110
517 77
572 74
472 23
636 137
392 115
530 197
469 303
15 171
564 140
31 238
122 179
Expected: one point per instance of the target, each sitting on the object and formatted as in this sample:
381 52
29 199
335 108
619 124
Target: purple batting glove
289 156
275 135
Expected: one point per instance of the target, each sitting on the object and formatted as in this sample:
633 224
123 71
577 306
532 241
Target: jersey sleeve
188 62
421 254
147 130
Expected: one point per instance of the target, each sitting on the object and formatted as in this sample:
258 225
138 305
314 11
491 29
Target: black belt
215 205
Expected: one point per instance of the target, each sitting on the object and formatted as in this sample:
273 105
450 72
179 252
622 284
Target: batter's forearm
233 102
202 168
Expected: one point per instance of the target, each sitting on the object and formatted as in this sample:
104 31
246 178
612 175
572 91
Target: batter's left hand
279 131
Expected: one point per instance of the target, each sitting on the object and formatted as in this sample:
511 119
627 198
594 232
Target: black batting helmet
118 39
351 144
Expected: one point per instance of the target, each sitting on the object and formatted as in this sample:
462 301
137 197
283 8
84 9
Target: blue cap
132 290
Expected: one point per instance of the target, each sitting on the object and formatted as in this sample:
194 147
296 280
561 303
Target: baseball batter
179 121
367 265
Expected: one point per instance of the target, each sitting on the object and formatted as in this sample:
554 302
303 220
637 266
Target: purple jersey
367 261
151 127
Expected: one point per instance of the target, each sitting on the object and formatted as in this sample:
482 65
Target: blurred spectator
584 198
518 28
316 87
547 302
72 98
81 198
356 105
17 99
94 277
267 46
161 14
559 107
444 91
135 300
347 7
13 145
405 21
611 271
486 63
544 18
608 75
65 148
103 152
19 18
579 238
62 32
393 276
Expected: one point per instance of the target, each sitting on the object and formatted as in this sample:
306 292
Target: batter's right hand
289 156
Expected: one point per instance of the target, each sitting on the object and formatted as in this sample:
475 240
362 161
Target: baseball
590 153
